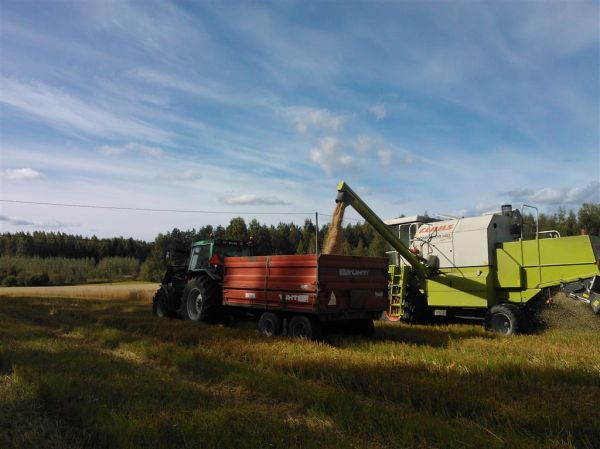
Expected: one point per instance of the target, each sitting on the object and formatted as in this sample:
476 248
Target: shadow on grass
376 401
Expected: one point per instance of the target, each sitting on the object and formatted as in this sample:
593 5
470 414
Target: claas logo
434 229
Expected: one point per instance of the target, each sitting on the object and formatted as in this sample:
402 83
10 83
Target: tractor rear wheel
302 326
201 299
269 324
165 302
504 319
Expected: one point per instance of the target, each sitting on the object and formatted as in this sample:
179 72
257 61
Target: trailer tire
201 300
165 302
269 324
504 319
302 326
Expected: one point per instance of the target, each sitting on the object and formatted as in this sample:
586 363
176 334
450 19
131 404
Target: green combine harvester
484 268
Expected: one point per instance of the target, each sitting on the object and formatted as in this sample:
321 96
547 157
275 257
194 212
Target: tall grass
106 373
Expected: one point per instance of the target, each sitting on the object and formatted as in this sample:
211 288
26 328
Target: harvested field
124 290
105 373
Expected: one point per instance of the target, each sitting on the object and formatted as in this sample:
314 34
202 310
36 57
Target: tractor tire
201 300
504 319
416 310
165 302
304 327
269 324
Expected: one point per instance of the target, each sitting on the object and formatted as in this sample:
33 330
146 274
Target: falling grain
333 240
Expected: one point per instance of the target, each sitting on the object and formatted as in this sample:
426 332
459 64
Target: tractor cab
207 254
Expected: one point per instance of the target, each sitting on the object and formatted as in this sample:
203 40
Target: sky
259 109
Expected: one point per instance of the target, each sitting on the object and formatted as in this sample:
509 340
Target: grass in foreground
107 374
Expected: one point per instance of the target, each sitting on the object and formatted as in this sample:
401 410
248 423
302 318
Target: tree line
51 252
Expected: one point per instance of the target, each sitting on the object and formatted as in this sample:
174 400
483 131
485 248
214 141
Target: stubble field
82 367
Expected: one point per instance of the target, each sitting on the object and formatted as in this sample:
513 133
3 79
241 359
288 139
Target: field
92 367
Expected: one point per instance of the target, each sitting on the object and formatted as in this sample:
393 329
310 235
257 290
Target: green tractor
193 290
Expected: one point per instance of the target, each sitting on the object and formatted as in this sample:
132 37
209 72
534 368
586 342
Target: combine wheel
269 324
201 299
304 327
415 308
505 319
165 302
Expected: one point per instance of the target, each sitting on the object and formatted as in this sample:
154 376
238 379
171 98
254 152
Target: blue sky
445 107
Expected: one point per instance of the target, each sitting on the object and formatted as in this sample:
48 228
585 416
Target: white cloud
64 111
52 224
385 157
328 155
252 200
132 146
379 110
305 119
21 174
556 196
367 144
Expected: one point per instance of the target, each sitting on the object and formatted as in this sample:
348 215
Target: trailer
295 295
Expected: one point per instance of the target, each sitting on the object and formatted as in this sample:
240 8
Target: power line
146 209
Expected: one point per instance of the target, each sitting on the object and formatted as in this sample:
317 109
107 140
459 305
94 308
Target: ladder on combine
398 276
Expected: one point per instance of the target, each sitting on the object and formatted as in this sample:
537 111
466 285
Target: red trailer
297 294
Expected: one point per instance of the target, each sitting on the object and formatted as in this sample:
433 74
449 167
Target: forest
49 258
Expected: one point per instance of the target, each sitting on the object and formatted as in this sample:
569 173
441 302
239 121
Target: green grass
107 374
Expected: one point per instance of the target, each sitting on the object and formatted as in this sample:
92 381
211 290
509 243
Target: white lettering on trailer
353 272
249 295
294 298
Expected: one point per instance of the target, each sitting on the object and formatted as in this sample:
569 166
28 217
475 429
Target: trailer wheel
165 302
504 319
201 299
269 324
304 327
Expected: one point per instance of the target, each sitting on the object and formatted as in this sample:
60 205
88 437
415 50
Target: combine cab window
199 259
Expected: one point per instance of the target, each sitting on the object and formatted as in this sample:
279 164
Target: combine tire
201 300
269 324
165 302
304 327
504 319
415 309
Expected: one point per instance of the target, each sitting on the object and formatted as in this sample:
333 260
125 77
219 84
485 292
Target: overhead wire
147 209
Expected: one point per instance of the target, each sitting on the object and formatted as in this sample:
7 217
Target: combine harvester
480 267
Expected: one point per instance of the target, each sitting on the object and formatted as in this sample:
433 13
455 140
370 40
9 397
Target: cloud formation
20 174
329 156
52 224
305 119
575 195
379 111
131 147
252 200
